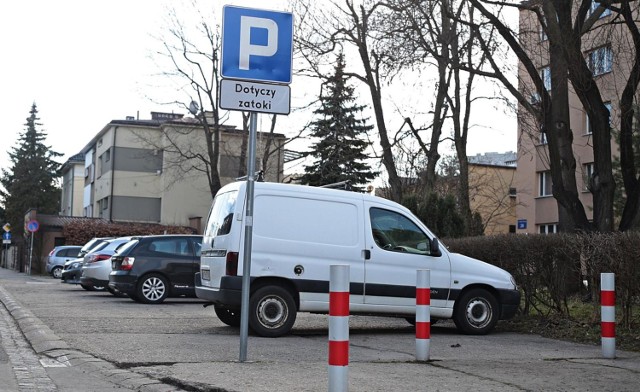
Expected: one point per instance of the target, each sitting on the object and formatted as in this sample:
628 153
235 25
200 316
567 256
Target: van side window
221 216
396 233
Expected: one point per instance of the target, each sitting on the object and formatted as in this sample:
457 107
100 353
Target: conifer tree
30 181
340 151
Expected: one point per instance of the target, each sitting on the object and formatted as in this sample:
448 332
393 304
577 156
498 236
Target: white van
300 231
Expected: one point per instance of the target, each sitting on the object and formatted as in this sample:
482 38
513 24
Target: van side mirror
435 248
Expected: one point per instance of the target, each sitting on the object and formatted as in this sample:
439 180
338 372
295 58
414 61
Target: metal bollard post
339 329
423 315
608 314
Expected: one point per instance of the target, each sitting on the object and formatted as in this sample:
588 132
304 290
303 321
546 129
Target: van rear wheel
272 311
476 312
231 317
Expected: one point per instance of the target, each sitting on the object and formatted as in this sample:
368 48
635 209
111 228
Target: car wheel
476 312
231 317
152 289
272 311
56 272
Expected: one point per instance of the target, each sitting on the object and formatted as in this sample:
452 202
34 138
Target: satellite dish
194 107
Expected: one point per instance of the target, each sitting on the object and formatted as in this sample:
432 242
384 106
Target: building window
545 184
589 131
545 75
594 6
107 155
600 60
548 228
512 192
543 137
512 229
587 174
104 203
543 33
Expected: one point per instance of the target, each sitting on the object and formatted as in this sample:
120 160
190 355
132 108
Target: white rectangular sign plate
255 97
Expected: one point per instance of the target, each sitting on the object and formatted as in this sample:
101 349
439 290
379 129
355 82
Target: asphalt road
75 340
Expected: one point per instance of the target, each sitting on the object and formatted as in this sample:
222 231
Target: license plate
205 274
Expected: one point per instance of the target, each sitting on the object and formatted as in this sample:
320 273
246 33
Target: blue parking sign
257 45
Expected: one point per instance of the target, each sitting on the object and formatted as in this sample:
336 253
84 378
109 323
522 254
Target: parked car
73 268
95 241
151 268
58 256
96 265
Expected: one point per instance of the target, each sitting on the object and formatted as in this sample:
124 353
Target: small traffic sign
6 227
33 226
257 44
255 97
6 236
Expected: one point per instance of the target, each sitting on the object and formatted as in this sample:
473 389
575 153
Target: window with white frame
545 75
589 131
600 60
549 228
587 174
545 186
595 5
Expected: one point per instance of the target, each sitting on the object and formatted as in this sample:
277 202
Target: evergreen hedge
551 269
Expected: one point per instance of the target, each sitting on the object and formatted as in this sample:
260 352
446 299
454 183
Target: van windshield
221 216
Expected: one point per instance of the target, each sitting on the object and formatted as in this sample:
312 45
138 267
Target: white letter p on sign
247 49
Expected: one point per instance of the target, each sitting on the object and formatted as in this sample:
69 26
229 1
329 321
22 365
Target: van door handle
367 254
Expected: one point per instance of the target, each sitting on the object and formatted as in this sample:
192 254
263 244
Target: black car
151 268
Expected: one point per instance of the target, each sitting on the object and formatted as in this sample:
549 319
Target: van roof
307 189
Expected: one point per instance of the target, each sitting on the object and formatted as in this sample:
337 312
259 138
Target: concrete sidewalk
379 361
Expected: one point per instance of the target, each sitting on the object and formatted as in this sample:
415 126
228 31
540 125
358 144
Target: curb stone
44 342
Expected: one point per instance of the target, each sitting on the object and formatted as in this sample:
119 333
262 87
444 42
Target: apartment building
72 173
136 171
492 192
606 50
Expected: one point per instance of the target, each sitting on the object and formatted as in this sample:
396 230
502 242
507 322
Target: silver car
96 266
58 256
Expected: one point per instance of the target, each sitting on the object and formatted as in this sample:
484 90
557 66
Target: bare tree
322 30
564 28
568 24
195 61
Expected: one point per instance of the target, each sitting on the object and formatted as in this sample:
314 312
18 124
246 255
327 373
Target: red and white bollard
608 314
423 315
339 329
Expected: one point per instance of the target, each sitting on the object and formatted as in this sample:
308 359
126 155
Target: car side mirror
435 248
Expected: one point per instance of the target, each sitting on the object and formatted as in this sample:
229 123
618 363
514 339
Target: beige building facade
72 173
604 49
137 170
492 192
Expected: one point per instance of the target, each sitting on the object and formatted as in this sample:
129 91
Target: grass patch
581 325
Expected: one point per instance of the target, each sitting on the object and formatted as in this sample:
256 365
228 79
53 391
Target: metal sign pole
248 238
30 253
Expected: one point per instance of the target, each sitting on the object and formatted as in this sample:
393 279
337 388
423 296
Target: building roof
157 120
74 159
61 220
508 159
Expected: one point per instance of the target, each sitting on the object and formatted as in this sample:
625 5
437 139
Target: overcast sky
85 63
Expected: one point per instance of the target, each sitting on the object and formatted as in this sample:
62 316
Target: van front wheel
272 311
476 312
